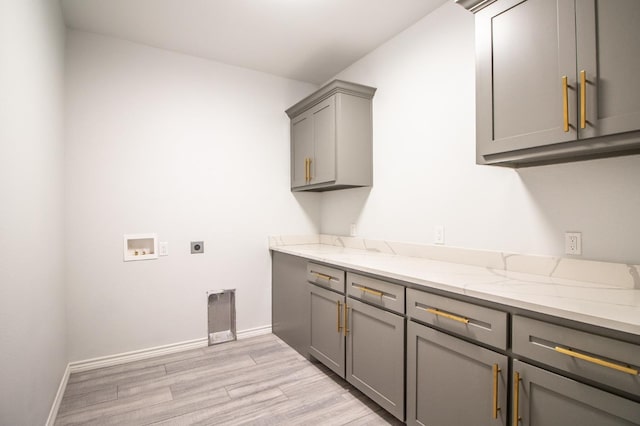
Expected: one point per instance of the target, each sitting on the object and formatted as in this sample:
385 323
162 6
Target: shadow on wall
599 198
351 203
309 202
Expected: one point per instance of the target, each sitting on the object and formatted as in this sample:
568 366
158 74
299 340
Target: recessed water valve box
140 247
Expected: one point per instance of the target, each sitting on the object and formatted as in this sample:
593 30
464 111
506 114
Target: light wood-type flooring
257 381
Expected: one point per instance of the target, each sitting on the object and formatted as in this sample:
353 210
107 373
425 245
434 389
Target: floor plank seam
257 381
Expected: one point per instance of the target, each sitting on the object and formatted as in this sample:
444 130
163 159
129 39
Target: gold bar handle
449 316
339 308
346 319
597 361
496 371
565 102
516 398
583 99
310 170
306 170
323 276
369 290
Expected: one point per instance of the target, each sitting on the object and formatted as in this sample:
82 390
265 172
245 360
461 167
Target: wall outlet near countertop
573 243
163 248
438 234
352 230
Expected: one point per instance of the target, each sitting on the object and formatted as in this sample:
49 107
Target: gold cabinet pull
306 170
309 166
346 319
565 102
496 371
583 99
369 290
597 361
323 276
516 398
449 316
339 309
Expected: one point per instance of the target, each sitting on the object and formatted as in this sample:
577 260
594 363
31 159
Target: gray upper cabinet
301 148
331 138
608 37
555 80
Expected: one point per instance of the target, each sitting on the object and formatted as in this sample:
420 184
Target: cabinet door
542 398
323 164
327 338
290 301
375 355
523 51
608 37
453 383
301 148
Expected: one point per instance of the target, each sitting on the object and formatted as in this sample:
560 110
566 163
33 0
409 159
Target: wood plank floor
257 381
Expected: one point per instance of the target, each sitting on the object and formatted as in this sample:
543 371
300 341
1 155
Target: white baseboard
53 413
253 332
123 358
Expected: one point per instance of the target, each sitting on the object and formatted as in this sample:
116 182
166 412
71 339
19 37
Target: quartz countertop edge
591 303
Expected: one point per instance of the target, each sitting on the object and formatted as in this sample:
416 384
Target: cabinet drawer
326 276
604 360
376 292
466 319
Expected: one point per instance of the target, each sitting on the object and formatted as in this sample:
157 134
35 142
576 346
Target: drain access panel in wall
140 247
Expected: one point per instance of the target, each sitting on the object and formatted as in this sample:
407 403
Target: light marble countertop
603 305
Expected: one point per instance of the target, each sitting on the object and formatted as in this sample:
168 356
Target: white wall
32 307
425 172
188 148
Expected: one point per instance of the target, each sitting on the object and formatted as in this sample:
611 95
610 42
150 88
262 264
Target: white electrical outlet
164 248
352 230
438 234
573 243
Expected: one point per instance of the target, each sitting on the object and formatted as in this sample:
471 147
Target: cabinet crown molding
335 86
474 5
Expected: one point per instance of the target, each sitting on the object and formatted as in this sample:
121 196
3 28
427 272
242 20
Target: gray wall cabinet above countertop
331 138
556 81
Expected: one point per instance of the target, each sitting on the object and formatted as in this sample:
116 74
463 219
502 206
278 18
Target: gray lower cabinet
359 342
542 398
326 313
375 355
355 325
331 138
556 80
600 359
451 382
290 301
